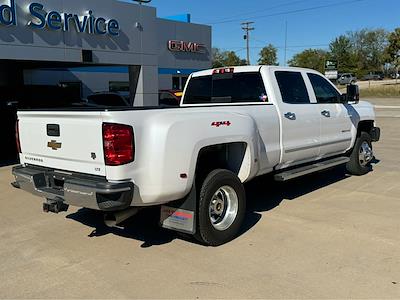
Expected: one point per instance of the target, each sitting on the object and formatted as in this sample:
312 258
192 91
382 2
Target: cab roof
243 69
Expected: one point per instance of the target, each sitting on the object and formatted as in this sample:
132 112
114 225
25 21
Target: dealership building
52 49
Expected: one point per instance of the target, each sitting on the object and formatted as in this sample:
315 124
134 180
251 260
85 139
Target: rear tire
222 207
361 155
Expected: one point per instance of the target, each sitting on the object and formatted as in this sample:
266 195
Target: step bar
319 166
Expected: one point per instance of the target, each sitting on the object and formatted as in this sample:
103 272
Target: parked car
395 76
373 76
233 124
106 99
169 97
347 78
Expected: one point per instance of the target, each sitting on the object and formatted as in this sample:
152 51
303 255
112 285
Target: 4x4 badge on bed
54 145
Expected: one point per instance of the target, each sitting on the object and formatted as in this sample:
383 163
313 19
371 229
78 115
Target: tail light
17 137
118 143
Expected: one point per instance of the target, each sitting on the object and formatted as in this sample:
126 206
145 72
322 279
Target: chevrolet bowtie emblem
54 145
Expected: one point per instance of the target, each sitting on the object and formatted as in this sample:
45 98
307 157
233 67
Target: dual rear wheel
222 207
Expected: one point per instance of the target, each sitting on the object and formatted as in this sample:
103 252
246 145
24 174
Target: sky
310 23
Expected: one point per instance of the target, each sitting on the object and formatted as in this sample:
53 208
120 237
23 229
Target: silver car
347 78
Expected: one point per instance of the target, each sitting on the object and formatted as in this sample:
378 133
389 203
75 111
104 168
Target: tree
310 58
341 50
226 58
392 51
369 49
268 56
233 60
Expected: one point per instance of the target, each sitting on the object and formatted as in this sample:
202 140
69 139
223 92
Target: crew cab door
336 123
300 119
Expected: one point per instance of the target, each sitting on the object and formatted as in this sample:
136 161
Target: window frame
312 93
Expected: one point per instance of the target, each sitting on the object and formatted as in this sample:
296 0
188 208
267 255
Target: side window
324 91
292 87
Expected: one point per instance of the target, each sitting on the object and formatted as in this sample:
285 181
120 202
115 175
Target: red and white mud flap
180 215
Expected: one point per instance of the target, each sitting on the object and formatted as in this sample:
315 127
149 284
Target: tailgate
70 141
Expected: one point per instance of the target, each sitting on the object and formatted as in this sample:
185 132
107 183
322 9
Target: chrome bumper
74 189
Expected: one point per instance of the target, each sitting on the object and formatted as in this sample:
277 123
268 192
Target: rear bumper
74 189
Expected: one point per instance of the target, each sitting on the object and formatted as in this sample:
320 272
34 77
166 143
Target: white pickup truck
233 124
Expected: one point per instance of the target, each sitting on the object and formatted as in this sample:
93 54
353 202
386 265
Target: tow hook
54 206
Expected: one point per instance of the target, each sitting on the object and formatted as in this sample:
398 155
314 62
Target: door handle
290 116
326 113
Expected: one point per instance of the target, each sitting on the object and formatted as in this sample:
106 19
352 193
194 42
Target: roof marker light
223 70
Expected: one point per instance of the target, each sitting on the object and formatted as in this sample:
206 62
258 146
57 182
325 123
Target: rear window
226 88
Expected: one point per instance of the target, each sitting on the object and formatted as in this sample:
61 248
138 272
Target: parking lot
327 235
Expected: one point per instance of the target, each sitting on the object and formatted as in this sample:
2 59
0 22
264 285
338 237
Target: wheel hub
366 154
218 206
223 208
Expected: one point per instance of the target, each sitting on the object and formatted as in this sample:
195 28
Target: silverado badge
54 145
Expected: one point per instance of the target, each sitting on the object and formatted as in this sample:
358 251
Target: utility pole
285 44
246 27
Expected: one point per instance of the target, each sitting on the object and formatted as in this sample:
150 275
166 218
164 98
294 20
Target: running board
294 173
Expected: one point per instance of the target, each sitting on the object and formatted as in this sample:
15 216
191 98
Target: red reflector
118 144
17 136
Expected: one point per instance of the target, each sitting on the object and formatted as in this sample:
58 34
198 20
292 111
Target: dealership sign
182 46
331 69
40 18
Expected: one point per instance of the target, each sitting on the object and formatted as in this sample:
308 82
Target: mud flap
181 215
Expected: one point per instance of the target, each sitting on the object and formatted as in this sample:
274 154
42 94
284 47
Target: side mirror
353 93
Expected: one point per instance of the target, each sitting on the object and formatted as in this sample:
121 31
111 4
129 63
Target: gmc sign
182 46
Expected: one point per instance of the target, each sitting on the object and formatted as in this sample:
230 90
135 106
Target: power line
290 11
260 10
283 47
246 27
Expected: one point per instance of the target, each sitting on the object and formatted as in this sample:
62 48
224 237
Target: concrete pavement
323 236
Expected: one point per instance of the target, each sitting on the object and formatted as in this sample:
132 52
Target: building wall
133 46
188 32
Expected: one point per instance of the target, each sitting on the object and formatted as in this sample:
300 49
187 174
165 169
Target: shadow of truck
263 194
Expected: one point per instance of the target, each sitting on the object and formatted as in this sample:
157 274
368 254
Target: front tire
361 156
222 207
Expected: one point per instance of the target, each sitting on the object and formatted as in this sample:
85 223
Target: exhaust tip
110 220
